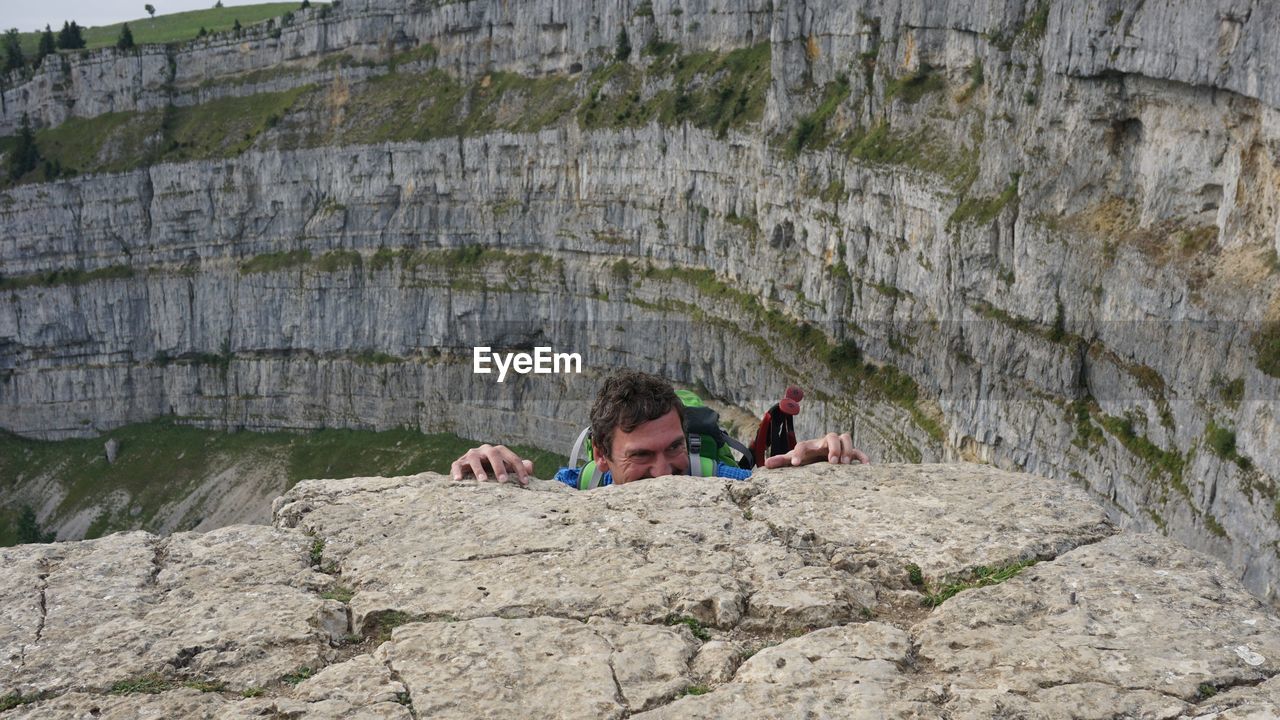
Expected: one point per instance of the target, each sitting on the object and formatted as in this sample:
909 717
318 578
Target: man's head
637 428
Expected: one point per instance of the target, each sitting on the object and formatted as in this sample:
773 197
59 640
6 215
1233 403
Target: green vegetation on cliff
65 277
1267 344
160 463
122 141
175 27
716 91
410 101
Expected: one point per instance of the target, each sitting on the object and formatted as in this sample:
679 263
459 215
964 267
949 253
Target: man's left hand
833 448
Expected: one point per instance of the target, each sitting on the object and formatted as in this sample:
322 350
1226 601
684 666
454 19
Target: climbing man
638 432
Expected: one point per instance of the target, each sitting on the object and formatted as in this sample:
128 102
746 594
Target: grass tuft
694 625
275 262
981 211
206 685
297 676
913 87
380 625
810 131
316 552
915 575
1267 345
1222 442
341 593
17 699
980 576
149 684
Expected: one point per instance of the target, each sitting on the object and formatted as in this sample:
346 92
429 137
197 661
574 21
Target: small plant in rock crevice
317 551
297 676
694 625
980 576
915 575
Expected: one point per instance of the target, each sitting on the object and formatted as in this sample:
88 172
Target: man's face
653 449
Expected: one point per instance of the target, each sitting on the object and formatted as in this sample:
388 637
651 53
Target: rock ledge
675 598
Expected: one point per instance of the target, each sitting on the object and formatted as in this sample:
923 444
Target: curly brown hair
628 399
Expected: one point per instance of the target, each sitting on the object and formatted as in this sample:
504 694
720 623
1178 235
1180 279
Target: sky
29 15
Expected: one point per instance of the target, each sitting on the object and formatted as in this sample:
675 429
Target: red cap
788 406
794 393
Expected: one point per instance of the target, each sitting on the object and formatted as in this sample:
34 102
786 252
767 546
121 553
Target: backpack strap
748 460
699 466
590 477
577 446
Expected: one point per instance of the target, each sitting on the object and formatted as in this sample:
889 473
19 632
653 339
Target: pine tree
47 47
25 156
623 50
29 528
13 50
69 37
236 28
125 42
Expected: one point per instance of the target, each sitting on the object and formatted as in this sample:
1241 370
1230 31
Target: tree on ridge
69 38
13 50
25 156
125 42
48 46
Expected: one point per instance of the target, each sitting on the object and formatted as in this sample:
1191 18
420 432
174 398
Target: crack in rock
1232 684
516 553
395 675
46 570
157 562
617 686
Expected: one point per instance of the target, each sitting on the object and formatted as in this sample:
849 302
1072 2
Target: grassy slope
171 28
161 462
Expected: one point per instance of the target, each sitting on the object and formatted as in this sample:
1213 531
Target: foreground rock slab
793 549
1135 624
538 667
675 598
236 605
850 671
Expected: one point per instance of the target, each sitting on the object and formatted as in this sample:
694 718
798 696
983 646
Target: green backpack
707 442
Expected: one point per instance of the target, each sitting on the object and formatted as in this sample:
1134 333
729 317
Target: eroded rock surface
237 605
671 598
1133 622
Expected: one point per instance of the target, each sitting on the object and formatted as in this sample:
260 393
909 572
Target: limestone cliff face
923 591
1057 219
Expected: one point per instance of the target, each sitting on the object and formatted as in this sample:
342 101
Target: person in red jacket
777 433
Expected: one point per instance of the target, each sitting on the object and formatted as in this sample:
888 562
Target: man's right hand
493 462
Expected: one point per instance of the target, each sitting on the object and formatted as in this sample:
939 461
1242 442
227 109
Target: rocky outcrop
1054 218
901 590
